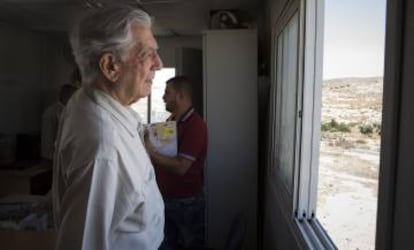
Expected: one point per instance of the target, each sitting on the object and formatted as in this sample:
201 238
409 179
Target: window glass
286 108
158 112
141 107
351 121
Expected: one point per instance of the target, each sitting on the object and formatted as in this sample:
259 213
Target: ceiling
172 17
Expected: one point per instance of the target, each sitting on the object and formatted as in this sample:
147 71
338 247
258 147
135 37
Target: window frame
311 77
301 205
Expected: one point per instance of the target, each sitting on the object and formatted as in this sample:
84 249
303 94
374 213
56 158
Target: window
346 204
313 164
152 108
286 98
141 107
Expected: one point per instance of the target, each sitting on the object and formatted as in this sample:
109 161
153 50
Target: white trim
311 107
302 172
188 157
314 235
317 102
309 235
322 234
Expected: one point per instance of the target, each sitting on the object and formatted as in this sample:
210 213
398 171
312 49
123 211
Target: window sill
314 235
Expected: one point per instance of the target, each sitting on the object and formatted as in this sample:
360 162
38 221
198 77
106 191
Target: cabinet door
230 94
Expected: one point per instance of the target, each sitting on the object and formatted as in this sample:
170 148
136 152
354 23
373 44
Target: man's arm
176 165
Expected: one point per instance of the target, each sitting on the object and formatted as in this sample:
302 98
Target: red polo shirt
192 145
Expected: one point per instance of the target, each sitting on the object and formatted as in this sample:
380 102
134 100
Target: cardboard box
34 180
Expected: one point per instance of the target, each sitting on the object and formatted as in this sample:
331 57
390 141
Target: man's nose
157 62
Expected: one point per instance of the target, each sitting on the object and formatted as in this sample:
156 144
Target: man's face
140 65
170 98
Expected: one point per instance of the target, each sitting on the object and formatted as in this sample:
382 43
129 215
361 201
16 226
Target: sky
354 38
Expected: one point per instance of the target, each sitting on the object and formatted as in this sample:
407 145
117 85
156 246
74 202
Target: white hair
107 30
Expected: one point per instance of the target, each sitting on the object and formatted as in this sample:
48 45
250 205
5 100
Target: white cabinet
230 110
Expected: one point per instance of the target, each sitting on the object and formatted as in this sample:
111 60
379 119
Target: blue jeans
184 223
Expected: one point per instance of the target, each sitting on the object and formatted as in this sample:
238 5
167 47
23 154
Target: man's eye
147 54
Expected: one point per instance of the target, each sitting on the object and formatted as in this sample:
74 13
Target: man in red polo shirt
180 178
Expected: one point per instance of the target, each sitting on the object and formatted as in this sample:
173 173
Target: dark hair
182 84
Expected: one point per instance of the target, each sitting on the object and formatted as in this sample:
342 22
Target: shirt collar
186 115
125 115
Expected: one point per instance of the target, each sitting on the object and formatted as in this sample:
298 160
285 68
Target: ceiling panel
172 17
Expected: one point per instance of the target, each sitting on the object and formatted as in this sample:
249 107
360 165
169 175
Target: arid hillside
349 160
352 100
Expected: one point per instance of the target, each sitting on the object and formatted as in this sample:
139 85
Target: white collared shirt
105 194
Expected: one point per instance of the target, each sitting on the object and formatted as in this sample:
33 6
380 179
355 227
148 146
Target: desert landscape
349 160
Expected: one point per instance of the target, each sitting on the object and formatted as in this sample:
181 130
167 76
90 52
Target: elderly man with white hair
104 191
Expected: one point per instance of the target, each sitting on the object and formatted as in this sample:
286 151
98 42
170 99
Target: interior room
233 49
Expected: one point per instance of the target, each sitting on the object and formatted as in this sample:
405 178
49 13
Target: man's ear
182 96
179 96
110 67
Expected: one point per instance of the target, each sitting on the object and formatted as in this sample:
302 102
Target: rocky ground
349 160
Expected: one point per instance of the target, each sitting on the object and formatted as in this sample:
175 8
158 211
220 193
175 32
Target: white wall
32 65
230 108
